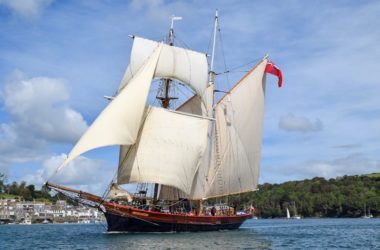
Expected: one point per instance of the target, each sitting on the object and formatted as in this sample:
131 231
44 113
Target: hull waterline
117 223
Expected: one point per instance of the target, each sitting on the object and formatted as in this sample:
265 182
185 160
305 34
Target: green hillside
345 196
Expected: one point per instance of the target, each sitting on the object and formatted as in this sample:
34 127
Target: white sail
117 193
193 106
237 138
187 66
201 185
170 193
199 106
168 150
120 121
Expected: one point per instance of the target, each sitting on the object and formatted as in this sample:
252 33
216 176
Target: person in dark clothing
235 205
213 211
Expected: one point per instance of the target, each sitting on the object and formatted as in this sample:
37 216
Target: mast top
212 73
174 18
171 31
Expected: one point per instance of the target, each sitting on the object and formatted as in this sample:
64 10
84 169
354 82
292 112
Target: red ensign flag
274 70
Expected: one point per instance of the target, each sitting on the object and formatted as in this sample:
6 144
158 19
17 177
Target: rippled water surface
254 234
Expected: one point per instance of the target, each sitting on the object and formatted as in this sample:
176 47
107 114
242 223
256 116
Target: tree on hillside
2 185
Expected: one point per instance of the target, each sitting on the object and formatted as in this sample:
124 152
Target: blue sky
58 59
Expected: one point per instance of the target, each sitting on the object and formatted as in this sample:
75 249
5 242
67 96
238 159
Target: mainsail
231 164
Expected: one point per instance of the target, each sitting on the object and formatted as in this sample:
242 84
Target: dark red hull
128 219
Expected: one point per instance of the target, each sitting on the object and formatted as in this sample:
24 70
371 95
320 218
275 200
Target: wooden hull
127 219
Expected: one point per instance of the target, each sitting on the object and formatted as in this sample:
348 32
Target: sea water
253 234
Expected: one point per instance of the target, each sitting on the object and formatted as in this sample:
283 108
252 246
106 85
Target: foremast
166 98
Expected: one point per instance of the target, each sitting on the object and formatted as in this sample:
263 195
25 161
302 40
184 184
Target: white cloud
82 173
38 108
349 165
299 124
38 115
352 164
26 8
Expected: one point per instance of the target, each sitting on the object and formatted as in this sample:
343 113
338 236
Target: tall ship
182 159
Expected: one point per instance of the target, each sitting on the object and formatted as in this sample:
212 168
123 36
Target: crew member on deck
213 211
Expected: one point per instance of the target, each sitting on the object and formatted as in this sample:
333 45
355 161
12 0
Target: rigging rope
233 69
182 42
224 57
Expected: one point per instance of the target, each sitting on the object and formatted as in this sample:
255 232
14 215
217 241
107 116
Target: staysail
168 150
193 106
120 121
187 66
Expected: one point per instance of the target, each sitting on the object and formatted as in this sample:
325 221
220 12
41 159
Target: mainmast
211 80
166 98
